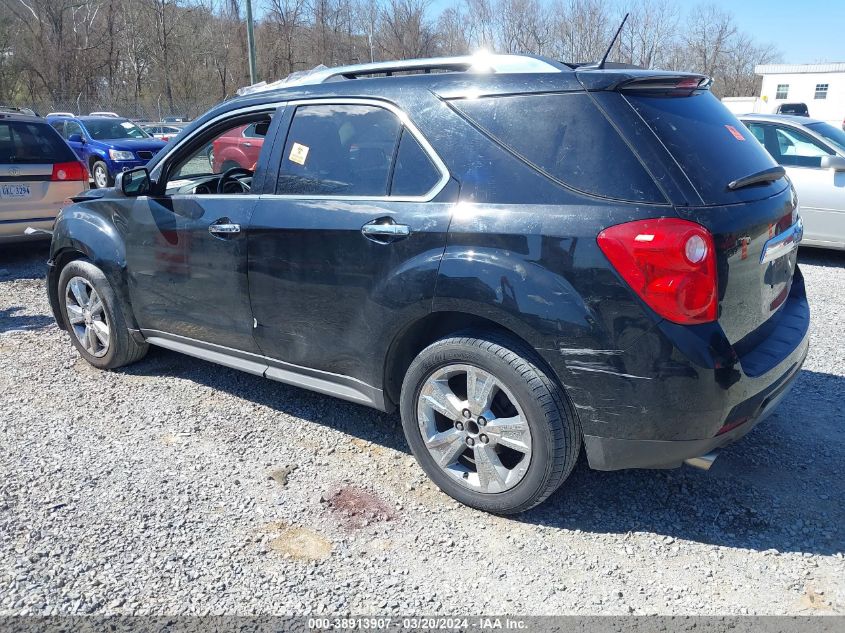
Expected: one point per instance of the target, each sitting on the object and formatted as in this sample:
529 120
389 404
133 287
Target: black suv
524 258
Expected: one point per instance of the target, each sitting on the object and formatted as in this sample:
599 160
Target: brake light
670 263
71 171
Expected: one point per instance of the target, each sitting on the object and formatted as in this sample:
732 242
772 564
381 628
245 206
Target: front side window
221 151
339 149
788 146
71 128
821 91
782 91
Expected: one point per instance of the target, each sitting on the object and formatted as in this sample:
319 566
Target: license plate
15 191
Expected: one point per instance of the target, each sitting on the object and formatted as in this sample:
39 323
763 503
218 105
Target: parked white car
113 115
813 154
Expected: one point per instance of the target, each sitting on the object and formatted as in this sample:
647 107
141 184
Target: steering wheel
230 175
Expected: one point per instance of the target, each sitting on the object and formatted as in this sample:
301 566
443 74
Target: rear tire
521 429
94 317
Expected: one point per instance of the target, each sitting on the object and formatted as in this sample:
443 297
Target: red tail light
72 171
670 264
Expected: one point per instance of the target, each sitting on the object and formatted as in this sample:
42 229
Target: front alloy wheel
101 175
87 317
474 428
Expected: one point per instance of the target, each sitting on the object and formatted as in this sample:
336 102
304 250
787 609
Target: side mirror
76 138
133 182
836 163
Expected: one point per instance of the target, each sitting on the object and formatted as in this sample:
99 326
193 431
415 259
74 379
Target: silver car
38 172
813 154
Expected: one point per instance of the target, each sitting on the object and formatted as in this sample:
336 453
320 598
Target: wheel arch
85 234
420 333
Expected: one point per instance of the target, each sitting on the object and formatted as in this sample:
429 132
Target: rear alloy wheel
479 436
488 423
100 174
95 317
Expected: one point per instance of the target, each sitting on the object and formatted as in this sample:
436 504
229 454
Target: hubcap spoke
510 432
74 314
480 387
101 330
90 339
79 291
95 306
492 475
439 397
446 447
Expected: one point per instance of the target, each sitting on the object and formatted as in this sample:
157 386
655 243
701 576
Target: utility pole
250 42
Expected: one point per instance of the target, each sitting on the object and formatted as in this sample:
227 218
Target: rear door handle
224 227
385 230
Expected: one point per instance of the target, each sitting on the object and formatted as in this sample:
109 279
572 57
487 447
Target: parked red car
239 147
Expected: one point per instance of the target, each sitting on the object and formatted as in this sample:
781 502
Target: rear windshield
568 139
33 143
707 141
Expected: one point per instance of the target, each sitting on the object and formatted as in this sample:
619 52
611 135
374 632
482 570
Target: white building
820 86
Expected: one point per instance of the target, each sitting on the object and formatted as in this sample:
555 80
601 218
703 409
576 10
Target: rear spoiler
643 81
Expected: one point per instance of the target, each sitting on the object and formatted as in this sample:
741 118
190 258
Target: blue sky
804 31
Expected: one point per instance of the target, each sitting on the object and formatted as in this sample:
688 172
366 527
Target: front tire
94 317
100 175
487 422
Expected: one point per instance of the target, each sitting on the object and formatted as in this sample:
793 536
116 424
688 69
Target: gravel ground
177 486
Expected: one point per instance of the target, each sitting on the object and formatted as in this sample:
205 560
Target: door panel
821 197
183 279
328 298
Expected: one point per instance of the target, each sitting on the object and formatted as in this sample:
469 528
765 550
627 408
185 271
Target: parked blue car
107 145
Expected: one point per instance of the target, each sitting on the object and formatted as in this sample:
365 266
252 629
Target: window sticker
735 132
298 153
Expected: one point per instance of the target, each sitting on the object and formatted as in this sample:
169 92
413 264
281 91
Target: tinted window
414 174
833 134
568 139
22 142
339 150
102 129
707 141
790 147
72 127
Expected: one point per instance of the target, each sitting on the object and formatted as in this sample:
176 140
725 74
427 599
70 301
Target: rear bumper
679 392
607 453
14 230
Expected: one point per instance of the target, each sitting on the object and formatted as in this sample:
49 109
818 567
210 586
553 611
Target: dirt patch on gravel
357 507
299 543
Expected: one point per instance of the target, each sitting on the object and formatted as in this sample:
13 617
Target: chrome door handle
382 231
224 228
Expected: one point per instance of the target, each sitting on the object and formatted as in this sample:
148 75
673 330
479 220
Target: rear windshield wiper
767 175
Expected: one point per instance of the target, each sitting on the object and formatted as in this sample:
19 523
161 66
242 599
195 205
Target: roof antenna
612 42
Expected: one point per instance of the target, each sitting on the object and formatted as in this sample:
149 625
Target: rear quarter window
566 138
32 143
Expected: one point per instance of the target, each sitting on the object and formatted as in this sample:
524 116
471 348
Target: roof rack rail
481 62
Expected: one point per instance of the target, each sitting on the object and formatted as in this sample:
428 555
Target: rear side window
707 141
345 150
414 173
568 139
33 143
